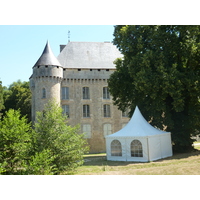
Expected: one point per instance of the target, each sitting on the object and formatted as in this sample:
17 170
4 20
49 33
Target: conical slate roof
137 126
47 57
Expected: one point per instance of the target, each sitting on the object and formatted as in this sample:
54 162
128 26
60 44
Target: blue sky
22 45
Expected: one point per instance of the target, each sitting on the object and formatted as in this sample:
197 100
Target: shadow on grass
102 160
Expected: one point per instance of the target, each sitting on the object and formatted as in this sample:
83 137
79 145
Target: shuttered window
107 129
87 130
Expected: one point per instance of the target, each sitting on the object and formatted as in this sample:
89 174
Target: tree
54 137
160 72
1 98
15 143
18 96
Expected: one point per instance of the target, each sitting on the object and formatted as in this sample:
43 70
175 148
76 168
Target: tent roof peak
137 126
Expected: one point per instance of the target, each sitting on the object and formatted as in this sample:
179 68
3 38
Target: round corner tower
45 82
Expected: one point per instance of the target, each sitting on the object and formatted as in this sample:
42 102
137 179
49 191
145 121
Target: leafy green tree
1 98
18 96
62 142
41 163
15 143
160 72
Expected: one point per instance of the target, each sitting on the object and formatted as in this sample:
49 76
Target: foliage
41 163
51 148
15 143
62 142
1 98
18 96
160 73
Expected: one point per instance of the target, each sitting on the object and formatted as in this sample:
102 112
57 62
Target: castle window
86 111
107 129
65 93
43 93
65 110
106 94
87 130
116 148
136 149
106 110
86 93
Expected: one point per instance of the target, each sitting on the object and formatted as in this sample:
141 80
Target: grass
178 164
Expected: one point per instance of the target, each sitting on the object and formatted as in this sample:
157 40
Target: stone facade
81 90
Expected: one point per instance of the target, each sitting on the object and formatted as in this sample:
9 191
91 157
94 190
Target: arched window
116 148
136 149
43 93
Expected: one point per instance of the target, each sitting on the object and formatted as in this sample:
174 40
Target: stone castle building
77 80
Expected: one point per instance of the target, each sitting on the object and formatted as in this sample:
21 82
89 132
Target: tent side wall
108 149
154 148
126 149
166 145
160 146
143 140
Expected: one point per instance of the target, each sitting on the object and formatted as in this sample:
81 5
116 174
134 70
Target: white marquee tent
138 141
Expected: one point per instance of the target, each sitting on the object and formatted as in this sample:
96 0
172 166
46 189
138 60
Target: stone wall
52 78
95 80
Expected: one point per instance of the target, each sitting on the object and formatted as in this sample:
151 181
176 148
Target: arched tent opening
136 149
116 148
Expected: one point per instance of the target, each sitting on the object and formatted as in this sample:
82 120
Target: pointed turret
45 82
47 57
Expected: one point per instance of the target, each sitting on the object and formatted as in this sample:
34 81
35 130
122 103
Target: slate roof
47 57
90 55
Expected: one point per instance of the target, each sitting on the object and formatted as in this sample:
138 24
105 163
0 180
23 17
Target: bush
63 142
15 143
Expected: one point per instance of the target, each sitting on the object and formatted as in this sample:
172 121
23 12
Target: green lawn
178 164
